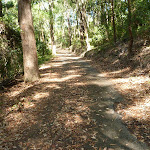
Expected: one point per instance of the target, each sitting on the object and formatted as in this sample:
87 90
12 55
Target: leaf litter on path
55 112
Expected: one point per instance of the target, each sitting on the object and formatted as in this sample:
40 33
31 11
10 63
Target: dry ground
65 110
132 79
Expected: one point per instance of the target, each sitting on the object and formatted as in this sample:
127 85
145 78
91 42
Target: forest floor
132 79
70 107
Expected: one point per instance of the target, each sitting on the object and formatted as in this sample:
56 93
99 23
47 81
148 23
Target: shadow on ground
70 107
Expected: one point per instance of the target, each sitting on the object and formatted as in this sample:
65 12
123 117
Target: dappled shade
67 108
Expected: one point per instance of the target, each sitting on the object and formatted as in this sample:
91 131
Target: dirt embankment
131 77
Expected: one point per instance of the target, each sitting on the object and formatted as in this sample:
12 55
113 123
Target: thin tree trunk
104 19
69 28
98 14
81 28
82 31
1 13
39 36
130 29
98 18
94 17
85 26
30 60
102 13
83 23
109 8
77 26
52 26
113 20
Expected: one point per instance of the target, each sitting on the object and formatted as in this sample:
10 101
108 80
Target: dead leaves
135 89
56 114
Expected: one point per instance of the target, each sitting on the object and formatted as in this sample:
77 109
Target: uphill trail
70 107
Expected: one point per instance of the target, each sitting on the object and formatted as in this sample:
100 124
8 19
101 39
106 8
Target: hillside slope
131 77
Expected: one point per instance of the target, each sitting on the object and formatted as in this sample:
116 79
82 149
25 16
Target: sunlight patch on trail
40 95
117 72
53 86
137 111
45 66
69 77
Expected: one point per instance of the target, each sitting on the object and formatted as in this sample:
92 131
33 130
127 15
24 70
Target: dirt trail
70 107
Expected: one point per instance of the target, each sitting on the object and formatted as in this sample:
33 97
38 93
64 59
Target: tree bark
104 18
52 26
77 26
69 28
82 30
85 26
98 13
30 60
80 27
113 20
130 29
1 13
83 23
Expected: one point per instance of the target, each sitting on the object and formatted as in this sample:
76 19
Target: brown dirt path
70 107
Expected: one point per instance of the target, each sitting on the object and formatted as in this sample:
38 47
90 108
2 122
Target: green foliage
11 62
101 29
76 44
141 19
42 31
11 59
42 59
98 35
8 5
99 21
44 54
63 41
11 55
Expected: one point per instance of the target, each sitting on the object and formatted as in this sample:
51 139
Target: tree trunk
52 26
98 14
77 26
1 13
104 18
82 30
85 26
113 20
69 28
83 23
40 24
130 29
30 60
80 27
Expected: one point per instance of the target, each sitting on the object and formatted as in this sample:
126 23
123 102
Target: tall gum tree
69 28
66 4
81 4
51 24
130 28
113 20
30 60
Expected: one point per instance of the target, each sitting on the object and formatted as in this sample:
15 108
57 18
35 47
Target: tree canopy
78 24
